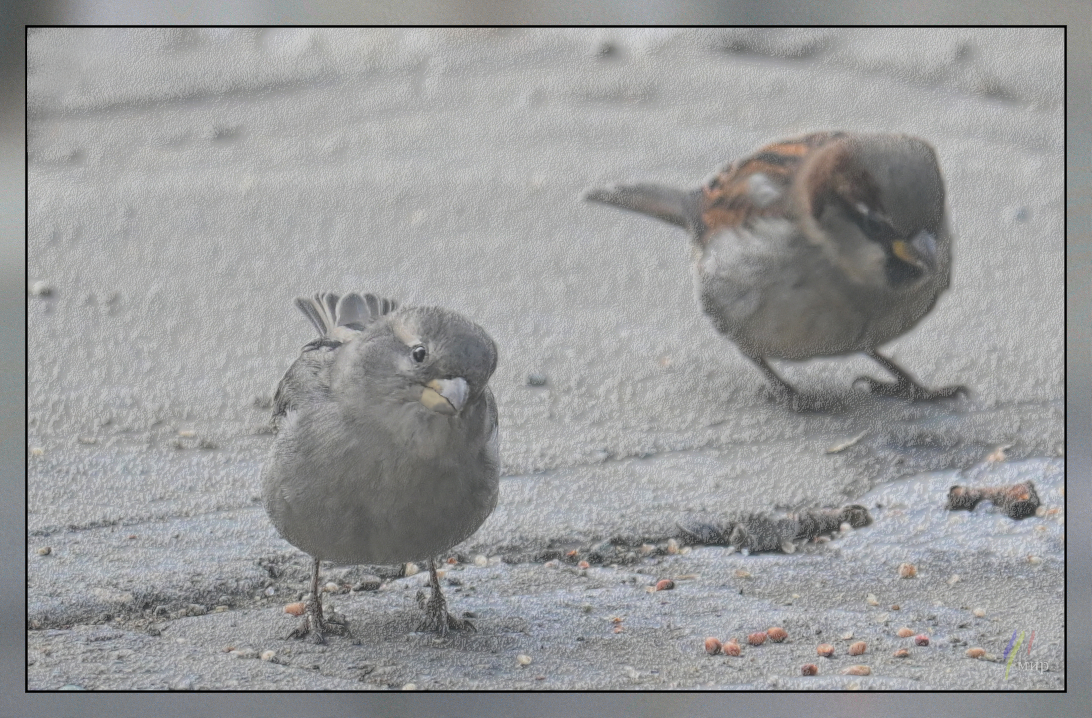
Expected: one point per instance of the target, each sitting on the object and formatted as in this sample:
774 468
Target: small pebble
1034 560
979 612
410 687
331 587
742 573
856 649
872 600
809 669
975 652
1040 511
825 649
901 653
270 591
907 570
45 551
921 640
411 570
894 606
268 655
712 646
536 379
904 632
296 609
777 634
757 638
847 636
41 288
481 560
857 671
583 564
731 648
36 451
187 433
523 659
665 585
672 546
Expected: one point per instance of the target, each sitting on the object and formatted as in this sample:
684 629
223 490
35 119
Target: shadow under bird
823 245
386 445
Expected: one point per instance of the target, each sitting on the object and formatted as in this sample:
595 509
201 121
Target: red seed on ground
712 646
907 570
857 671
665 584
904 632
825 649
757 638
975 652
921 639
856 649
583 564
777 634
296 609
731 648
809 669
902 653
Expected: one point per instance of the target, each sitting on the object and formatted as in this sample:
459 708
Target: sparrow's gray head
418 354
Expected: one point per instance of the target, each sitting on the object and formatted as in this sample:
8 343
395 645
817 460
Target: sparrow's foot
437 619
908 390
315 627
784 395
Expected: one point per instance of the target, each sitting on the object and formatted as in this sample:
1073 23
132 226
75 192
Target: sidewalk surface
185 185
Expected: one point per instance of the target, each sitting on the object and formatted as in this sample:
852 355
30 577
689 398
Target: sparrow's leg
313 624
436 616
905 386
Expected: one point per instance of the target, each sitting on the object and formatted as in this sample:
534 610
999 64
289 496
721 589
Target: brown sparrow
826 244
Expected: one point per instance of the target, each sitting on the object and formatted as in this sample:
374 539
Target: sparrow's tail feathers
327 310
679 207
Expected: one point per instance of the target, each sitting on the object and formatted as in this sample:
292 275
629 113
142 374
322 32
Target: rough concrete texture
185 185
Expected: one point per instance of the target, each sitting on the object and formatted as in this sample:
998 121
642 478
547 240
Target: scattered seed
894 606
665 584
825 649
583 564
1040 511
731 648
907 570
1034 560
999 454
777 634
856 649
45 550
187 433
979 612
331 587
975 652
619 628
411 569
921 640
481 560
523 659
245 653
452 560
757 638
553 563
847 636
672 546
809 669
872 600
901 653
904 632
741 573
36 451
953 580
712 646
410 687
268 655
296 609
857 671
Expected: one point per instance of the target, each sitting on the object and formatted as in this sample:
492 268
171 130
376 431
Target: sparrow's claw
903 389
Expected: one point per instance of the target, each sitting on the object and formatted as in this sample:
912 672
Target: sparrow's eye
419 353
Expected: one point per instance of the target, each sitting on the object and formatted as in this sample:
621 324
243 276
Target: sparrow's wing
328 311
757 185
308 379
679 207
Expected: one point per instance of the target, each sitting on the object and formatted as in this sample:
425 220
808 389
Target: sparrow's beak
446 396
920 251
